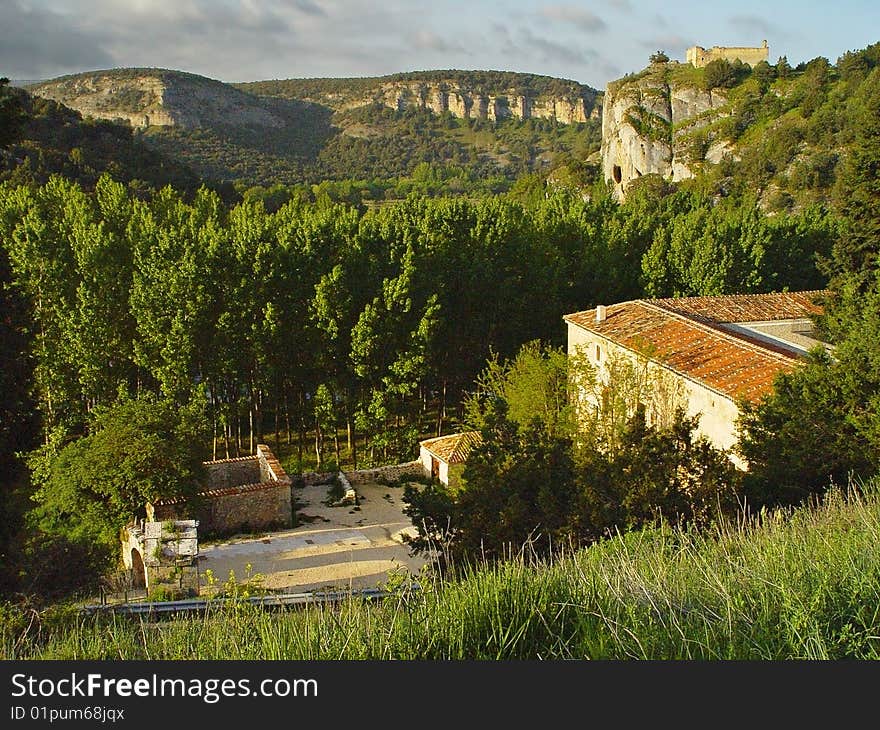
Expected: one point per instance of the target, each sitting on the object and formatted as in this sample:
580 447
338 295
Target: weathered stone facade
233 472
390 473
163 555
699 56
260 501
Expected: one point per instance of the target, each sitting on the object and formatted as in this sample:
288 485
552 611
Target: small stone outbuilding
443 457
163 555
246 494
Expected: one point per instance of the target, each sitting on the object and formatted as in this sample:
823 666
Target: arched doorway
138 572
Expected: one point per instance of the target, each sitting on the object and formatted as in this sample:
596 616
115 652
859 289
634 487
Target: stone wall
699 56
232 472
390 473
261 501
246 508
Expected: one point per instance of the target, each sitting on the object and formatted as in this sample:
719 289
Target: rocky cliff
159 97
464 103
492 96
156 97
658 122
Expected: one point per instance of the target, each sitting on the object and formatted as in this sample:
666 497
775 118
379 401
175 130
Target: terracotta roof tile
454 448
683 335
738 308
224 492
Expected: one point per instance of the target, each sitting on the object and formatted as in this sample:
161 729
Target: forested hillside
348 331
52 138
307 131
779 131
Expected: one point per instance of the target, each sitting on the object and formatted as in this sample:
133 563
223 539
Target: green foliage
52 138
540 477
533 384
668 472
659 57
781 586
11 114
137 451
719 74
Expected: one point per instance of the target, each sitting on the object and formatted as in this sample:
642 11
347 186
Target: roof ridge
754 345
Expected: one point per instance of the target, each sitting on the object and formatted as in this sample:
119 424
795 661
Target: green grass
804 585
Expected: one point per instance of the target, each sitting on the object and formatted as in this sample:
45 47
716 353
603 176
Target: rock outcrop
155 97
464 103
158 97
652 124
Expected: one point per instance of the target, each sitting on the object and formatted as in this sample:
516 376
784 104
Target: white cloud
581 18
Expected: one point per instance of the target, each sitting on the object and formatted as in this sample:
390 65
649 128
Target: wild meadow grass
796 585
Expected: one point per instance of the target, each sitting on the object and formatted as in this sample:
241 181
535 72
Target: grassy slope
805 587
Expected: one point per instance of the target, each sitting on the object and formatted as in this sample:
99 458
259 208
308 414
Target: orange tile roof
684 335
731 308
223 492
454 448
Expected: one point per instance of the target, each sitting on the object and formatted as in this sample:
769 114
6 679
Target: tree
855 253
11 114
137 451
719 73
669 472
659 57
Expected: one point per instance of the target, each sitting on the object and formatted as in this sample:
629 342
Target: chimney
600 313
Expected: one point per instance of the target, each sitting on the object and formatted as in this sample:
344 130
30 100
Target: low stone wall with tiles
260 501
232 472
395 471
266 508
246 508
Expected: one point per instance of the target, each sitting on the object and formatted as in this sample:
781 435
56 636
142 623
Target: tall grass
799 585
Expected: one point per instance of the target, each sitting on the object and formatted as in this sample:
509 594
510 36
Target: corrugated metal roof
684 335
454 448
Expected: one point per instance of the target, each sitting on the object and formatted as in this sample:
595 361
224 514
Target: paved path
336 547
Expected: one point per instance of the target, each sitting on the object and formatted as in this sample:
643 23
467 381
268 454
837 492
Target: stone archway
138 571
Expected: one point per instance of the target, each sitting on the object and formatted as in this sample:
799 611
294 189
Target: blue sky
244 40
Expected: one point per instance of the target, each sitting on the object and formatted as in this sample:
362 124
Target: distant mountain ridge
306 130
492 95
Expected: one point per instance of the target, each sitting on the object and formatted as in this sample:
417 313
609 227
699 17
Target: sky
248 40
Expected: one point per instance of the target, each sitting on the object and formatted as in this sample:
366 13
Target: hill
56 139
778 131
308 130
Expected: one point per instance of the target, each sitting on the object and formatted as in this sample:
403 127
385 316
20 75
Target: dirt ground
333 548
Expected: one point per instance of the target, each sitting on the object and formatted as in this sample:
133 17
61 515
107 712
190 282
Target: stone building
443 458
699 56
245 494
163 555
715 350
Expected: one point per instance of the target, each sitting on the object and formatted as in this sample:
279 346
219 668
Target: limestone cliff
493 96
156 97
658 122
464 103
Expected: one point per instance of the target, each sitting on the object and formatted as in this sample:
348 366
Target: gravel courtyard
343 547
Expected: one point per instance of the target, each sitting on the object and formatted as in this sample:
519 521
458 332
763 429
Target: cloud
624 6
37 43
309 8
552 51
754 24
580 18
428 41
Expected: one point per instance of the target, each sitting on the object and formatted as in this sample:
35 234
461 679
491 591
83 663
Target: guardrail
269 601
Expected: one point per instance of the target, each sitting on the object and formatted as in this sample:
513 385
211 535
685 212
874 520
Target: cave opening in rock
616 174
